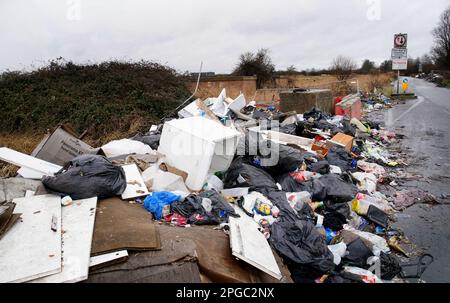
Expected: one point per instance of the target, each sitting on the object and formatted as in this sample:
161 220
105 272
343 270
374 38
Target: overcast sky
181 33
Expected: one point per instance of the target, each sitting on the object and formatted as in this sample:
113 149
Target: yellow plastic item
361 208
264 209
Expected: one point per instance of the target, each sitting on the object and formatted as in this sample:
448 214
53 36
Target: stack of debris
294 197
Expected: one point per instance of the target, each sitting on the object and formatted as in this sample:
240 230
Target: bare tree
441 34
343 67
291 70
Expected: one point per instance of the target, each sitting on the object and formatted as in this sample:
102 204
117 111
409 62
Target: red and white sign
401 40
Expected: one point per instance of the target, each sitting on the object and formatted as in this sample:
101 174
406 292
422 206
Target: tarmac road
426 124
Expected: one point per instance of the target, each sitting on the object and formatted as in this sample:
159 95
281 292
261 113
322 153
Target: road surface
426 124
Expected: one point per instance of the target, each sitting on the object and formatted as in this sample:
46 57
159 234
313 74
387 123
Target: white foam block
100 259
78 226
31 249
135 183
249 244
33 164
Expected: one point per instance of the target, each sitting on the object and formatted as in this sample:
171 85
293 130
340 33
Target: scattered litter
311 189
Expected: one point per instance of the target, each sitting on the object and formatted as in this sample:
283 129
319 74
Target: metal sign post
399 56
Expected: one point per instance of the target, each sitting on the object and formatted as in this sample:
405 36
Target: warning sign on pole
399 54
401 40
399 64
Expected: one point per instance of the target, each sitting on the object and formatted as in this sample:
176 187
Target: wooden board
138 189
31 249
249 244
78 226
35 164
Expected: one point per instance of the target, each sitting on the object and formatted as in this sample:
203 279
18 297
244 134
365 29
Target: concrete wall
212 86
302 102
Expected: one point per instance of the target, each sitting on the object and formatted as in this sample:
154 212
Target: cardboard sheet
120 225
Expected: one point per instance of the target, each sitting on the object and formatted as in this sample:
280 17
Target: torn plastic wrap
87 176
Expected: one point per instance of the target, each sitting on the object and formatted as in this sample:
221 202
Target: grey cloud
182 33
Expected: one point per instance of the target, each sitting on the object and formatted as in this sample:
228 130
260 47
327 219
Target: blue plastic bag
155 202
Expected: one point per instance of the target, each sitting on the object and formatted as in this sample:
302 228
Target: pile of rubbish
375 101
294 197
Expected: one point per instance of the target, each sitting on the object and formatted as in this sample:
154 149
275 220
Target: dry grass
24 143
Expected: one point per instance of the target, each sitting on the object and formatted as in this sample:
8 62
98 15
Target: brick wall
234 85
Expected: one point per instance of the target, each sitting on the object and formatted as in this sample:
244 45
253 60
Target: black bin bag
243 174
299 242
358 253
87 176
151 139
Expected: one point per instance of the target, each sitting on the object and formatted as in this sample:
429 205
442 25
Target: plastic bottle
329 235
361 207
